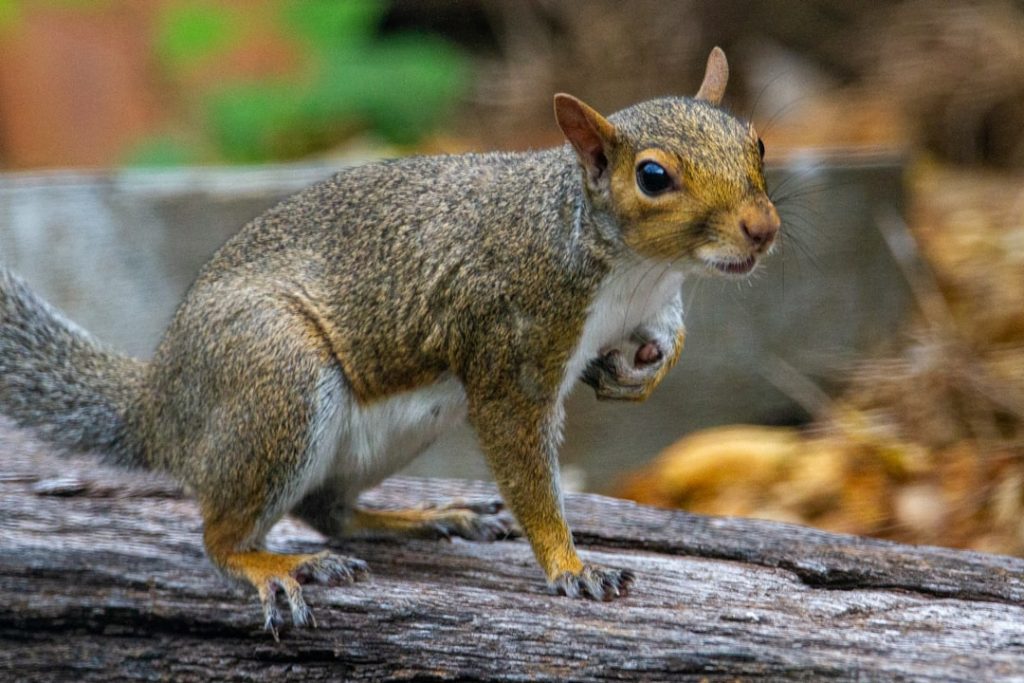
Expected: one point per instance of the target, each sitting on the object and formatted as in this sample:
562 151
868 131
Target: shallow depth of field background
916 437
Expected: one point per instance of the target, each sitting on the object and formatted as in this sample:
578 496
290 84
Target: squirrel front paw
594 582
621 376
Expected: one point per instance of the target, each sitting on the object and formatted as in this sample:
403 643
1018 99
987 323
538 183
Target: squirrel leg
234 528
252 433
522 451
269 572
472 521
326 511
633 368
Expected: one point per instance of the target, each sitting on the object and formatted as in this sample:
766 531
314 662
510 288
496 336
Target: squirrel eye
760 147
652 178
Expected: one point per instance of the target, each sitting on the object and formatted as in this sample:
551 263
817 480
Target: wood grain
103 578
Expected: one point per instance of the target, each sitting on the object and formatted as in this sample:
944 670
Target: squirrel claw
302 616
595 583
615 378
475 522
324 568
272 620
332 570
481 507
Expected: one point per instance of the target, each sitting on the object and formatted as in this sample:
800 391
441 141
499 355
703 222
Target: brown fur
393 276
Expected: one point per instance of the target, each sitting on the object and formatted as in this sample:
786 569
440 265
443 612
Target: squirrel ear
589 132
716 75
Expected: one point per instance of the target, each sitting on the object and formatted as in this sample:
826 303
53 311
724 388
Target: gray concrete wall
116 252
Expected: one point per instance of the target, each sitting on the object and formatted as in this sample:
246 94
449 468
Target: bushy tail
56 377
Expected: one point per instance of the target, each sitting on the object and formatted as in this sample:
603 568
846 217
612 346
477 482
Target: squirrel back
455 242
406 267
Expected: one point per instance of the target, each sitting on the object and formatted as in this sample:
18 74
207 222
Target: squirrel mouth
735 267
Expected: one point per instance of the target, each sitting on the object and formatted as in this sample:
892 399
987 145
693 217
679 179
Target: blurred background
868 379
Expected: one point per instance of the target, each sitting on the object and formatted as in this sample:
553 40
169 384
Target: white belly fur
357 446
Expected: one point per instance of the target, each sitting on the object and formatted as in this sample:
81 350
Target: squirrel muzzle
759 224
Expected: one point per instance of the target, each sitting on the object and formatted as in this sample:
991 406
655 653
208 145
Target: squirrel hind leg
327 511
486 521
270 573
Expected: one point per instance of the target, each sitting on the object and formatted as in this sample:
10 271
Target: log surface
103 577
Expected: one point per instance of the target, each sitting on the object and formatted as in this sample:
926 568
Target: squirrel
337 335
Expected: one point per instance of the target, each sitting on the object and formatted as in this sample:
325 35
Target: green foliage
163 151
401 85
351 79
190 33
329 24
256 122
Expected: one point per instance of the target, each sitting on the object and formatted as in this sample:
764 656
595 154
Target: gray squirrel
337 335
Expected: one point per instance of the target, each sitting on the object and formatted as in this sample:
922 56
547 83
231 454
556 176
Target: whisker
785 109
762 91
798 175
800 192
809 256
636 288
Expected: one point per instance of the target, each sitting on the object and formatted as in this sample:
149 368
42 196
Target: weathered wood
102 577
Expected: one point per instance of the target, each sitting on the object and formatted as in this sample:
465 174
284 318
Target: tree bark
103 577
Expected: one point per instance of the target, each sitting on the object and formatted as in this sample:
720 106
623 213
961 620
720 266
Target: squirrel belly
355 446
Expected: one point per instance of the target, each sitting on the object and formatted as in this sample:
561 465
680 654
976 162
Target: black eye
760 147
652 178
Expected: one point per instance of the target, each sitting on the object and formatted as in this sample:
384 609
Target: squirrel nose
760 228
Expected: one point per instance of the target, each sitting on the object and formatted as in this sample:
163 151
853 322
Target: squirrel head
680 179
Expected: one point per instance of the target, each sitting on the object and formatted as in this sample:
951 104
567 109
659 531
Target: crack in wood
111 587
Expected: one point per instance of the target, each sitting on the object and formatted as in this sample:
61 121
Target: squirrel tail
57 378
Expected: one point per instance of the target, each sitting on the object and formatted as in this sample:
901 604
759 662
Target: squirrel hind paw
477 523
302 615
324 568
594 582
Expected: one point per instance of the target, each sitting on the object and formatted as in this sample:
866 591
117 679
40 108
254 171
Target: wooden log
103 577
